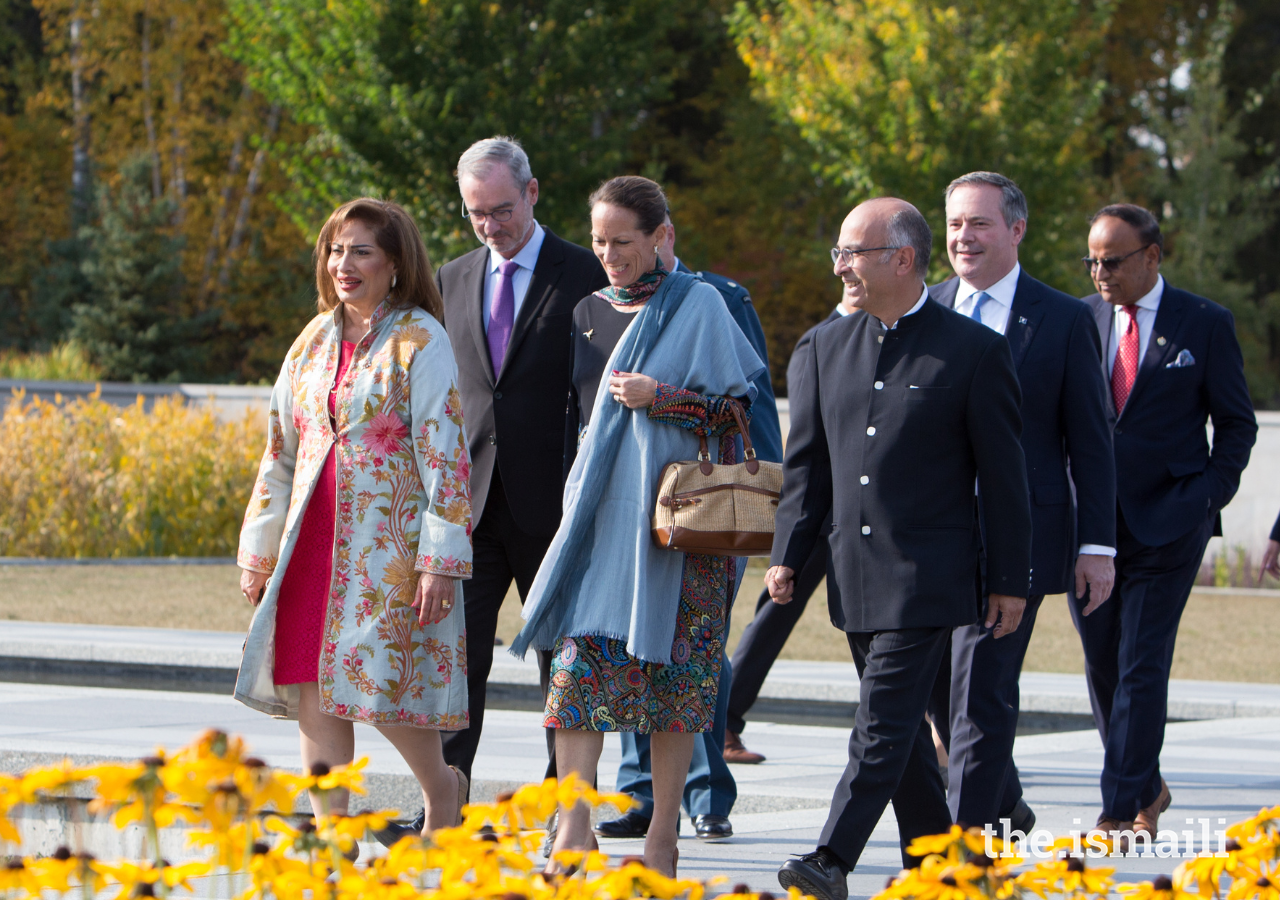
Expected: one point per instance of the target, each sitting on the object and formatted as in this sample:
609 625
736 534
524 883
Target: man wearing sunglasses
1172 363
509 313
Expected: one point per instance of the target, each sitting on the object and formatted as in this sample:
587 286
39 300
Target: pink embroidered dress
304 589
363 487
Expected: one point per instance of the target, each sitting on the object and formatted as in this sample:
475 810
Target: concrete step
796 691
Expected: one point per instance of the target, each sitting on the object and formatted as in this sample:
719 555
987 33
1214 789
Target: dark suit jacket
1064 422
766 436
942 397
1167 479
800 355
516 422
1275 530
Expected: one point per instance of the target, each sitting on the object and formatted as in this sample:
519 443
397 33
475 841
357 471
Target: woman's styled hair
397 236
640 195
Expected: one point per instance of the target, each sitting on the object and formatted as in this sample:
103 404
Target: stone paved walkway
1223 769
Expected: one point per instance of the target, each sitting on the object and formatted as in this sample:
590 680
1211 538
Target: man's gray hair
500 150
907 228
1013 203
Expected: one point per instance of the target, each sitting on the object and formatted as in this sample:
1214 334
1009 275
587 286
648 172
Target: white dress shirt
995 312
526 259
915 309
1147 308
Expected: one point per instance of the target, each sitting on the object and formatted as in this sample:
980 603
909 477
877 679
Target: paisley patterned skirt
597 686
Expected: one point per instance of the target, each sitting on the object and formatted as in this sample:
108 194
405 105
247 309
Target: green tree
398 89
900 97
1213 211
132 321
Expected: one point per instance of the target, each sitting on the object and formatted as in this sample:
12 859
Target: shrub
88 479
65 362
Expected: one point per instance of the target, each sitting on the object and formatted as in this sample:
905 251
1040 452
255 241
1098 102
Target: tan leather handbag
720 510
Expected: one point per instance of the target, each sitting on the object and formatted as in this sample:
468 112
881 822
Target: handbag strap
748 451
705 464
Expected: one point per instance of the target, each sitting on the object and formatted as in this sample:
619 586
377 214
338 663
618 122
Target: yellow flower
1263 887
1267 821
1162 887
1069 877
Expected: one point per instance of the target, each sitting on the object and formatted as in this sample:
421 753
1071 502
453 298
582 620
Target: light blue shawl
603 575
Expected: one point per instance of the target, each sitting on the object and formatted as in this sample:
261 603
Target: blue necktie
980 300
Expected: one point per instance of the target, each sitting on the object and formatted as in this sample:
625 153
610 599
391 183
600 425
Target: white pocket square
1184 359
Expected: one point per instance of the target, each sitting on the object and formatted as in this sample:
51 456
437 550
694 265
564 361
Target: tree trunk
246 199
175 116
224 200
148 116
81 189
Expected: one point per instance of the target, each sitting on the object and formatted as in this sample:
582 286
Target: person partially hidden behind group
358 529
636 631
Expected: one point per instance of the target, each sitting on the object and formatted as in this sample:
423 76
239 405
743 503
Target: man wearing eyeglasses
1067 441
1172 363
509 314
902 405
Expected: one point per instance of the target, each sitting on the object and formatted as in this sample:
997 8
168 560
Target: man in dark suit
903 405
1066 438
1173 363
709 791
766 635
509 313
510 335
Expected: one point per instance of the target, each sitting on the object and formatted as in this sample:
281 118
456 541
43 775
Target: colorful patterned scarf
638 291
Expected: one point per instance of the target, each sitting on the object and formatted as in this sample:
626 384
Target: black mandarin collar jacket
919 412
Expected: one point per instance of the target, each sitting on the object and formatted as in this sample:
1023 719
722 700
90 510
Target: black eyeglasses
846 254
1110 263
501 214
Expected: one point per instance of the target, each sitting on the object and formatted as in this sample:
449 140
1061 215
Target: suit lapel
474 288
1024 319
546 274
1168 317
945 293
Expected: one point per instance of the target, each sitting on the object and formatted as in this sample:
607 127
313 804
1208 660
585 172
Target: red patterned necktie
1125 369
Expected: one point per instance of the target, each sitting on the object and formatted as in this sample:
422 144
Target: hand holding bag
719 510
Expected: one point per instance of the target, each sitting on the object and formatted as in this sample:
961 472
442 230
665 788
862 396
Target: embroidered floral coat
403 507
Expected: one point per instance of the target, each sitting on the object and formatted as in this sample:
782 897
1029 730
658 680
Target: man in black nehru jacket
903 405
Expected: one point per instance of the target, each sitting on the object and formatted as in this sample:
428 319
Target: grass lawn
1222 638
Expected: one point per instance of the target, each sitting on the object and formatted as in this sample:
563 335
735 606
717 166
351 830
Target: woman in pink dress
358 532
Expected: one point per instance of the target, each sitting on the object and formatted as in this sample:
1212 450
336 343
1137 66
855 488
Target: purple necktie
502 314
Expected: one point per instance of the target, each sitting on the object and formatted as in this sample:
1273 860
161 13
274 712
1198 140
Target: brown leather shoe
1106 825
1148 819
735 752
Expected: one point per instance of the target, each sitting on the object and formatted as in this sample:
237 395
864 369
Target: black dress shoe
628 825
815 873
712 828
1021 818
394 831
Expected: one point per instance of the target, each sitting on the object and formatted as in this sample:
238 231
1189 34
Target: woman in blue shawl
636 631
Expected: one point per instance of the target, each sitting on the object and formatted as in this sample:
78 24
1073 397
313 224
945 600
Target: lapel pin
587 334
1161 341
1022 320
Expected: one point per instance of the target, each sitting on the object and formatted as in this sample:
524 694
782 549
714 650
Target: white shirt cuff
1096 550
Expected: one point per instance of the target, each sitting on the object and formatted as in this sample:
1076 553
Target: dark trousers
1128 649
891 755
709 788
501 551
765 637
975 709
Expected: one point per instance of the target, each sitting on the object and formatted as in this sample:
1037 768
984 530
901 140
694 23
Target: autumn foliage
88 479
